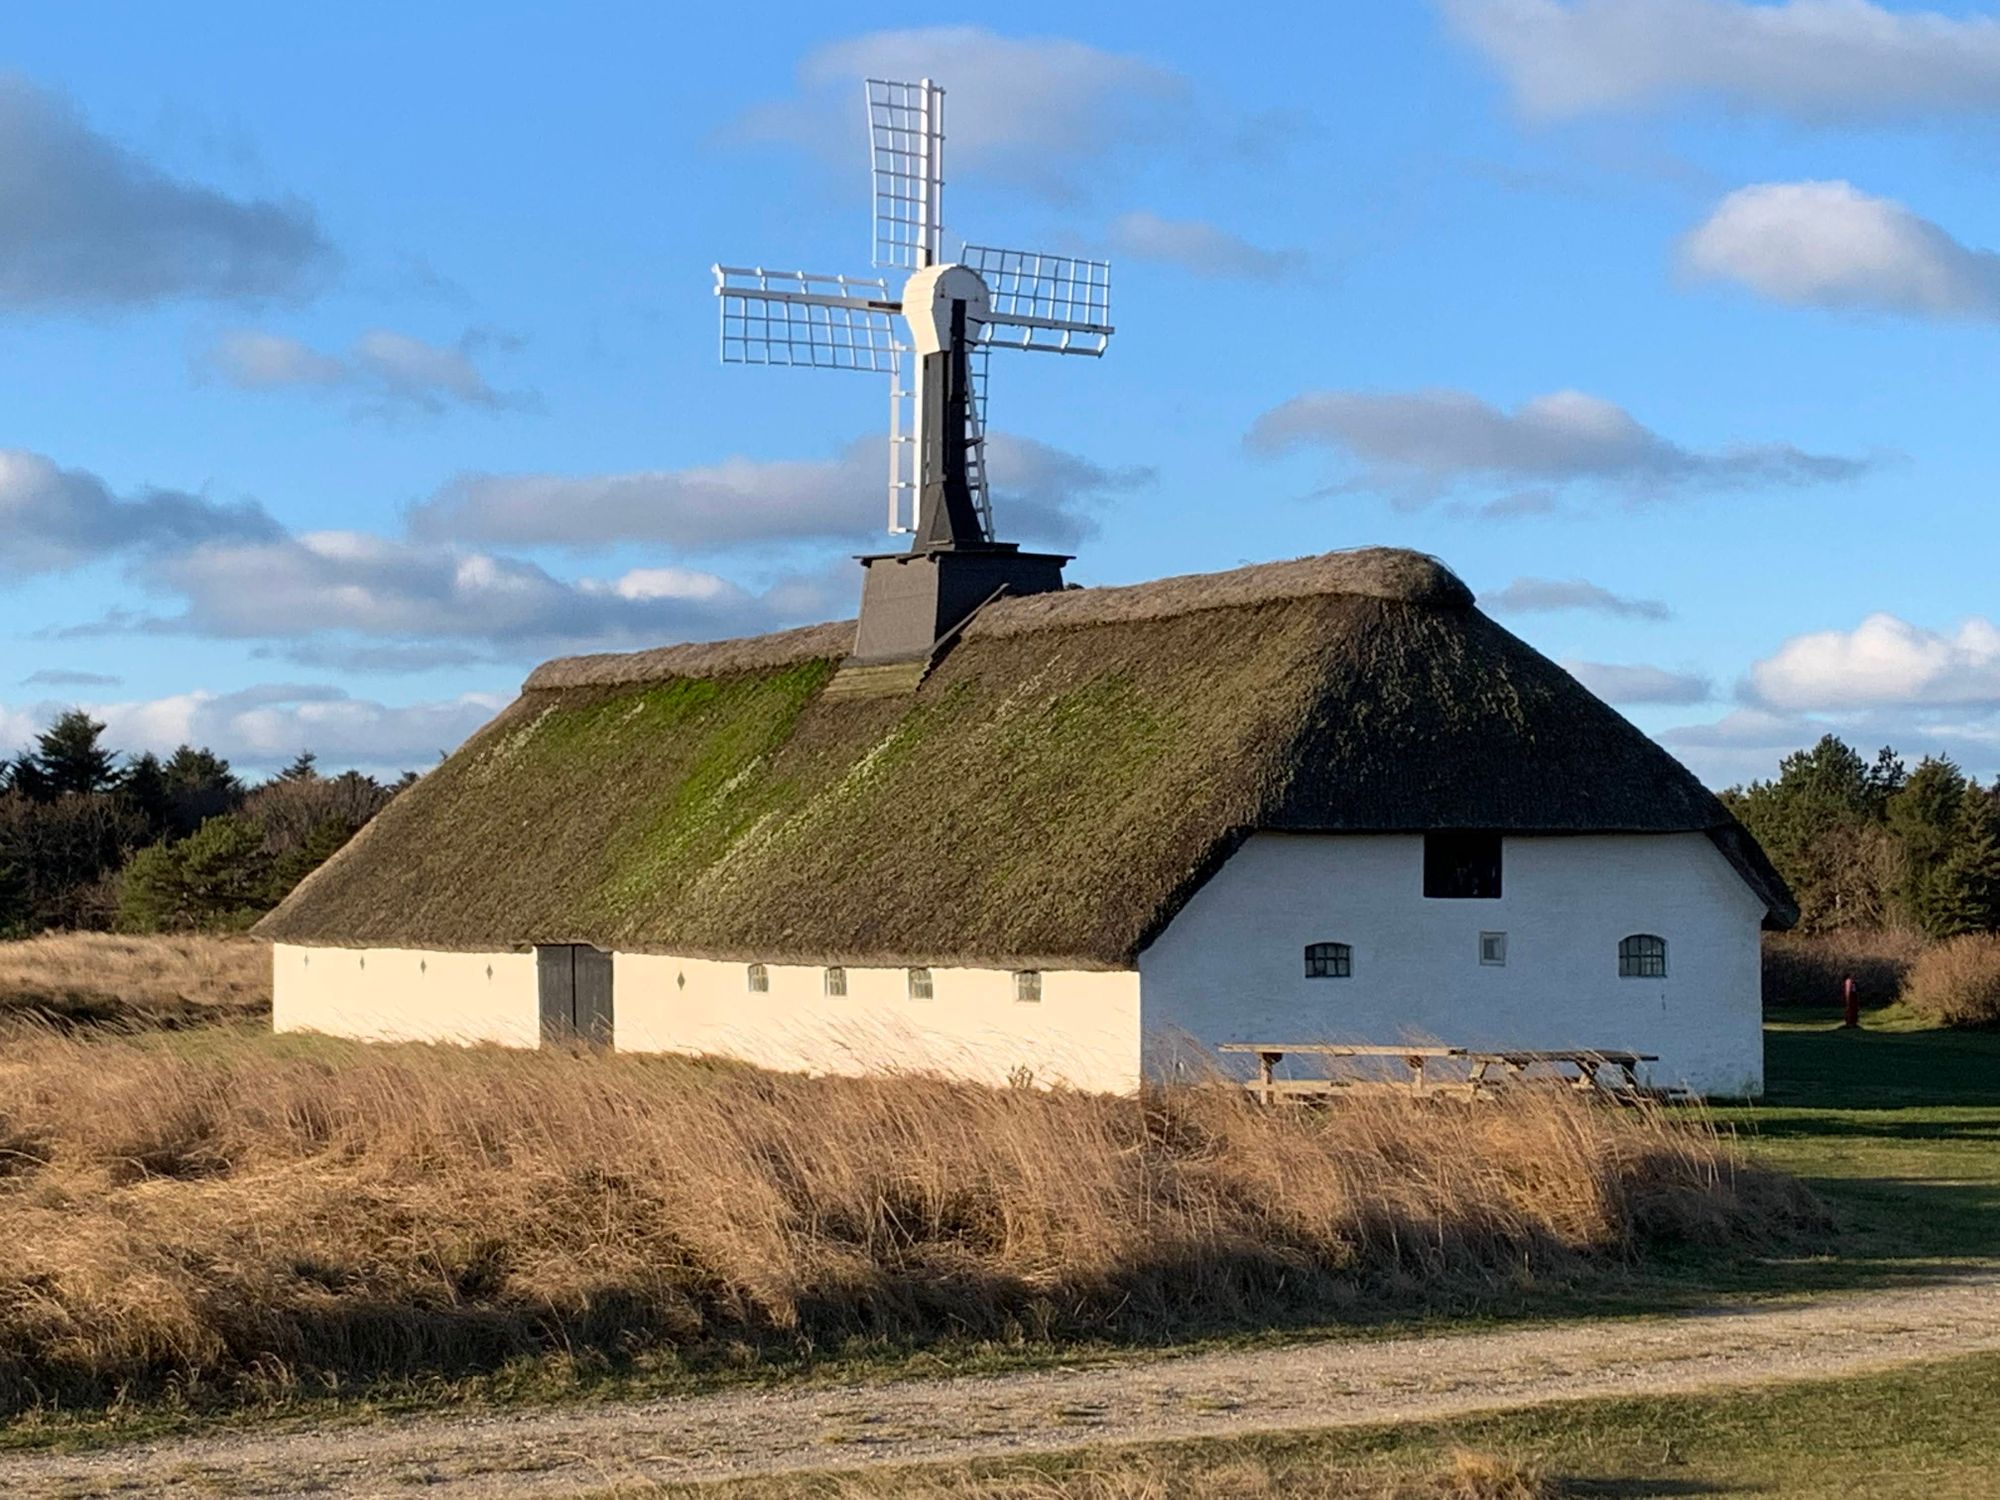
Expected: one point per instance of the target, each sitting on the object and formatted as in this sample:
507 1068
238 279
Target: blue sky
354 359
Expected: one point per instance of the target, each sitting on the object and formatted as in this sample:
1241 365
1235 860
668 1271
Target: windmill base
912 601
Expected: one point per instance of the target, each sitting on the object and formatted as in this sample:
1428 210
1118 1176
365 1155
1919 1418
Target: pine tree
201 787
304 767
144 787
71 756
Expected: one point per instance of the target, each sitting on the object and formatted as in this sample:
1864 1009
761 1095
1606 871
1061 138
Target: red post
1850 1003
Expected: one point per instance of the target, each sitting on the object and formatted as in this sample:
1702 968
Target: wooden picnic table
1511 1063
1269 1056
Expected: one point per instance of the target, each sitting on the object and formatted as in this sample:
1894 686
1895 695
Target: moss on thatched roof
1053 792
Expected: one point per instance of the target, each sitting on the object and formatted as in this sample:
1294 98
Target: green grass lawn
1897 1127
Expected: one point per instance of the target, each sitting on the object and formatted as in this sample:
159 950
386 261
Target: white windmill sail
1016 299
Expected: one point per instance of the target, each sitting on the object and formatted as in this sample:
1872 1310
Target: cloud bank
1040 493
1528 596
53 519
1201 249
1418 445
387 369
1038 111
1828 244
1814 60
86 222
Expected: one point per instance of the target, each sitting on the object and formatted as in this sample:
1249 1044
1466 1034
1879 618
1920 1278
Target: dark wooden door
574 983
593 996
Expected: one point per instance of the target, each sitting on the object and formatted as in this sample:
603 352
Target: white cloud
340 585
390 370
1827 244
53 518
1528 596
1418 445
264 726
1040 494
86 222
1038 110
1619 683
1882 662
1821 60
1201 248
61 677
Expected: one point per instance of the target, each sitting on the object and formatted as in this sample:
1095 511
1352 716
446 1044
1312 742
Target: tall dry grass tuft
252 1211
1807 968
1188 1473
1957 982
102 979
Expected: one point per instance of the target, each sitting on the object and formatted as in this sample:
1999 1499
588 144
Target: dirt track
561 1452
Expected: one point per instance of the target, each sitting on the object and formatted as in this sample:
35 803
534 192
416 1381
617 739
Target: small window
1493 949
1329 961
760 979
920 984
1028 986
1642 956
1462 866
836 981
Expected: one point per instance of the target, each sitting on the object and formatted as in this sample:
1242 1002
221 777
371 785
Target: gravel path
1335 1383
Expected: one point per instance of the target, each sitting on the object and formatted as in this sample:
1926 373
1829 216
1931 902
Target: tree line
1872 843
90 838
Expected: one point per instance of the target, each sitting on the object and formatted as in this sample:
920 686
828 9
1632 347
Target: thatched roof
1050 796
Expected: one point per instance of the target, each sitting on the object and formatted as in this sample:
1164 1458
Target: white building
1096 834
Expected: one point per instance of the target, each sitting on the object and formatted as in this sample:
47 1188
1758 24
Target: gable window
1643 955
836 981
1329 961
1028 986
1462 866
759 979
1493 949
920 984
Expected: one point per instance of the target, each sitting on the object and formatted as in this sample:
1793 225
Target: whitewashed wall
406 995
1231 966
1084 1031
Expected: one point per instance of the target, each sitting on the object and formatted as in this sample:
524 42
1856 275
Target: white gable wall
1231 966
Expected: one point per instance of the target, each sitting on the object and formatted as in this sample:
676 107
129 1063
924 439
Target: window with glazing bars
1329 961
759 979
836 981
920 984
1643 955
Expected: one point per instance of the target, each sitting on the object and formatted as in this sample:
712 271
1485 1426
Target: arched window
1642 956
1329 961
759 978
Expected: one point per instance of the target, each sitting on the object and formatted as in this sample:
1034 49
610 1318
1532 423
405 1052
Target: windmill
931 336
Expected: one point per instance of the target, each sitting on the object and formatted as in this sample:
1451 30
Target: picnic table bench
1484 1066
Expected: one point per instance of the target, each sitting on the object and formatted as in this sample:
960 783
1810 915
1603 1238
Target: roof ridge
1394 573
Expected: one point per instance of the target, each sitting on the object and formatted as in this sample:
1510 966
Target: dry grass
1808 968
1250 1475
243 1214
1957 982
140 983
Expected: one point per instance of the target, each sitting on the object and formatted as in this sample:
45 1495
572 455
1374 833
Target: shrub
1807 968
302 1210
217 877
1957 982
